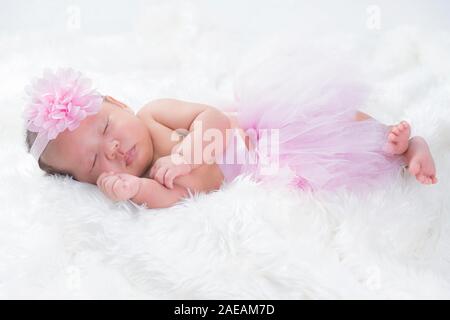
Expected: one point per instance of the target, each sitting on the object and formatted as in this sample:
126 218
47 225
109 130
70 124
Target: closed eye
95 159
107 123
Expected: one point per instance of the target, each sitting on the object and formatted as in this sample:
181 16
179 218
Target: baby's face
100 143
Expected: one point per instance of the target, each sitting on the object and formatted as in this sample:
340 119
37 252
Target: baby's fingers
172 173
106 181
102 176
159 175
121 189
153 170
109 183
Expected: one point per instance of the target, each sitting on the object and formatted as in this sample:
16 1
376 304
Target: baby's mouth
130 155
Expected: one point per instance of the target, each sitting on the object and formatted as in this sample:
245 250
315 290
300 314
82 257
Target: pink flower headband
58 101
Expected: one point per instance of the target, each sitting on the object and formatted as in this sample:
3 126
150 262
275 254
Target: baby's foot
398 138
420 161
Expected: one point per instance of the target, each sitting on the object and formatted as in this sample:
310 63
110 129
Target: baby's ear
119 104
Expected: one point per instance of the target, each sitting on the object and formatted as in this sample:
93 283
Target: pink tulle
313 107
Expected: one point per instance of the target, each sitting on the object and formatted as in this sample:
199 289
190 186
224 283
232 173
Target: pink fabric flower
58 101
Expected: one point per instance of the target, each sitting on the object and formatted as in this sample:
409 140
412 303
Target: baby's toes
392 137
425 179
434 180
396 130
421 178
405 125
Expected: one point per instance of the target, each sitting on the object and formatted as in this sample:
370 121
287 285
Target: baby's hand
167 168
118 186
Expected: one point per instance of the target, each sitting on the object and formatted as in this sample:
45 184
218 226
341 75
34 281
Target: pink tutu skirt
311 106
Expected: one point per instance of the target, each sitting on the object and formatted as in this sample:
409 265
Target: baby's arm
155 195
203 179
195 119
123 186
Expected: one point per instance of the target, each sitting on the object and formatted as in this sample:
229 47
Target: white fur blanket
63 239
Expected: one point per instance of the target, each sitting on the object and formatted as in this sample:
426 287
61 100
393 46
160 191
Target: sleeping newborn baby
99 140
155 157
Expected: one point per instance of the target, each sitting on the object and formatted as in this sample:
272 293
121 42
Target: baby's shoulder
150 114
150 107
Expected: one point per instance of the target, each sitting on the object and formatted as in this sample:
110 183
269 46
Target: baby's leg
361 116
416 151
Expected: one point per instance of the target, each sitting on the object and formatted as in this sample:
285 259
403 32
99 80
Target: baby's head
72 130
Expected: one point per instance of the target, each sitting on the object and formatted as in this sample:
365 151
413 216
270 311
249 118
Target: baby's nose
113 150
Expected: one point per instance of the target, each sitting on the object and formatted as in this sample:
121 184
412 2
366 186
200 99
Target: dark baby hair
48 169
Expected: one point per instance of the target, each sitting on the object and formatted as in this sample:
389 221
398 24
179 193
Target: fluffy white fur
63 239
